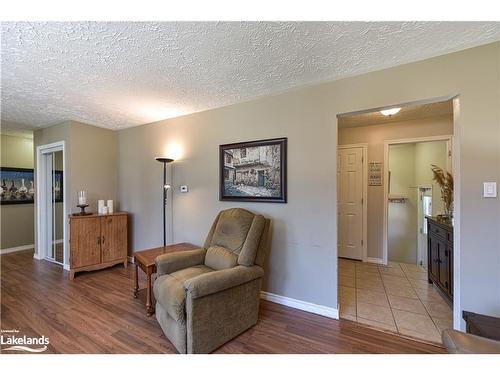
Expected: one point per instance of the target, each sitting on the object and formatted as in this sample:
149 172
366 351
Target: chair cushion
220 258
232 229
170 293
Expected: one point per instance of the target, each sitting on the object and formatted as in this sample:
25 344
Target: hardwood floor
96 313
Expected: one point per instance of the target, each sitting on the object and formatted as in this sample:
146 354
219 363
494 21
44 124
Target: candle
82 198
100 206
110 206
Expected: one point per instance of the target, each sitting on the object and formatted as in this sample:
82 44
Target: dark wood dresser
440 255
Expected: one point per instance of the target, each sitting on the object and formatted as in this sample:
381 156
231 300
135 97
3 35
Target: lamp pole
165 187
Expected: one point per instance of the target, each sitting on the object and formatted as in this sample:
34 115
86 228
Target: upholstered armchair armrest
213 282
457 342
171 262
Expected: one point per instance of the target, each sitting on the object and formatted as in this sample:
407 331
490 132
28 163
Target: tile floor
395 298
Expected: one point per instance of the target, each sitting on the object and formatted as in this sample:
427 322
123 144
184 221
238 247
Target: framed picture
17 186
253 171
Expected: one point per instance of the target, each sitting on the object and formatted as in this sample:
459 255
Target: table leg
149 308
136 280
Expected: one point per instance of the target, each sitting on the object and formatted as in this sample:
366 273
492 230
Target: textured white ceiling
121 74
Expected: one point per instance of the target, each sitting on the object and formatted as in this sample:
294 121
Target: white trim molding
16 249
329 312
130 259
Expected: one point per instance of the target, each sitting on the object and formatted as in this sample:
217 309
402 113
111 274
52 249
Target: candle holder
82 208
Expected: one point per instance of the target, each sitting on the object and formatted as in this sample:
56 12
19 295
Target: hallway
396 298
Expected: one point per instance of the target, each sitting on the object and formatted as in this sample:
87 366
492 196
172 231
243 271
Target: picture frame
254 171
17 186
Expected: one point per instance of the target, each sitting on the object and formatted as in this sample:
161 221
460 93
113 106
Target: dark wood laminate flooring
96 313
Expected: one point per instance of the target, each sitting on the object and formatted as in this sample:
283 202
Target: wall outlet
184 189
489 189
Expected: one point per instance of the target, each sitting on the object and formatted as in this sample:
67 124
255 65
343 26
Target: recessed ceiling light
390 112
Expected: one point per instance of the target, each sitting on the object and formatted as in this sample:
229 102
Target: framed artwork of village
253 171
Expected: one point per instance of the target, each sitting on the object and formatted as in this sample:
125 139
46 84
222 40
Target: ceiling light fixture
390 112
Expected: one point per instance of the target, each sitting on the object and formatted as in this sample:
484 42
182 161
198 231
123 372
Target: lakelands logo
24 343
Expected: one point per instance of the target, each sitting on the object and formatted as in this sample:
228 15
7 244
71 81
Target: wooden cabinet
440 256
98 241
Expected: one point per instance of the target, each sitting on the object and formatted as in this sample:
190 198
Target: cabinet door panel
433 256
85 242
114 237
443 266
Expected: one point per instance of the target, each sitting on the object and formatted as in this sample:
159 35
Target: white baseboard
375 260
329 312
130 259
16 249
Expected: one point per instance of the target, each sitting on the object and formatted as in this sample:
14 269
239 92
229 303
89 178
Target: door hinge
449 153
362 242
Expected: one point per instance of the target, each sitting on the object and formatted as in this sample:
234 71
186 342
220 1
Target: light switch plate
184 189
489 189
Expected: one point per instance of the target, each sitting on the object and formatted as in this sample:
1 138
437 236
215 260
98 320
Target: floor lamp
165 188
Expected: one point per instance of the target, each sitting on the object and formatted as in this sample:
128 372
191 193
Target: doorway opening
382 235
51 204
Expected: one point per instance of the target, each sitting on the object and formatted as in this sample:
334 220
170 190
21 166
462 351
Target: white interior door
350 202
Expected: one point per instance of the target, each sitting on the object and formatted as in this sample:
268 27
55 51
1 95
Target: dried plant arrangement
445 182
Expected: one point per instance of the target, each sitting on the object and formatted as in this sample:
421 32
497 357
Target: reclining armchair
208 296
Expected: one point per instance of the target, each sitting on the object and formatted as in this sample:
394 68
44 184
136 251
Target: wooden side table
145 259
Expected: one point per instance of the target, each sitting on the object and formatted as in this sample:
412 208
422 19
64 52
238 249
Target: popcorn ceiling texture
122 74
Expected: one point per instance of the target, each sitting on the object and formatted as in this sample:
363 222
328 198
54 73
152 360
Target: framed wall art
253 171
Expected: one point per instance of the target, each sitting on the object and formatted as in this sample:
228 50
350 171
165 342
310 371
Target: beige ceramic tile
369 296
347 272
395 281
416 275
428 294
443 323
434 336
345 291
352 318
346 308
346 281
438 309
393 264
368 276
407 304
368 267
376 286
400 291
378 325
391 271
373 312
420 284
406 320
412 267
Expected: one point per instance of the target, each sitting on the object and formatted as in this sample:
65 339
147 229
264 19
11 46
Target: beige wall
90 161
426 154
303 259
16 220
401 217
375 136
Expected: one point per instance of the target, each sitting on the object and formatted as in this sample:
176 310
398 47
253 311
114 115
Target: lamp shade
163 159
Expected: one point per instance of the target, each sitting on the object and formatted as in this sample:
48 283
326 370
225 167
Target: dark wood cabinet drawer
438 231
